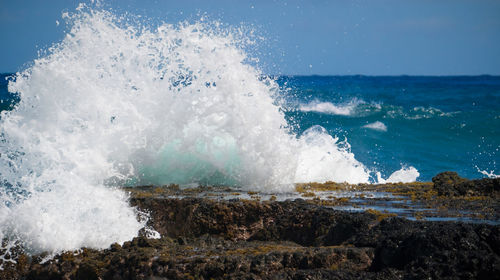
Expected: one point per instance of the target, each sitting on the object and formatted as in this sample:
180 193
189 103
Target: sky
368 37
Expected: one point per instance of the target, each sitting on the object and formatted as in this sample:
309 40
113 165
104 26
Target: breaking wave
118 104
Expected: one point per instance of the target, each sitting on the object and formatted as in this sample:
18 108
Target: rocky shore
205 238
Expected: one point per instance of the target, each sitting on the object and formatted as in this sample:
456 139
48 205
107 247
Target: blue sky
371 37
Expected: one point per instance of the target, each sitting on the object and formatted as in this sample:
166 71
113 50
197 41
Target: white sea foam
116 104
404 175
344 109
321 159
417 113
378 125
360 108
490 174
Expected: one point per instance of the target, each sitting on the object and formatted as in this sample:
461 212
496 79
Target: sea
119 103
433 123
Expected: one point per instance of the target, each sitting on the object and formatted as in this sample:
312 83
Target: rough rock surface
450 184
203 239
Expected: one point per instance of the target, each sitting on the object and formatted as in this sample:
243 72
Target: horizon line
384 75
355 75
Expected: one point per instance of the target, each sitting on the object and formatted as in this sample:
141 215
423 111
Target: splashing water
404 175
116 104
489 174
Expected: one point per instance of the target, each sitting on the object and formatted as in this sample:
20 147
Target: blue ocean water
432 123
7 99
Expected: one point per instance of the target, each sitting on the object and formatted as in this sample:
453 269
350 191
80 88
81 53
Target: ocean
117 103
434 124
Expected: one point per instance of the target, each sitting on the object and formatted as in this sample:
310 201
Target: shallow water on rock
410 202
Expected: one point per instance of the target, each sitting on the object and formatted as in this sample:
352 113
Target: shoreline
207 233
449 197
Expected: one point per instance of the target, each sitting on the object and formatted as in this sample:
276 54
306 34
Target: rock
433 249
204 239
87 271
450 184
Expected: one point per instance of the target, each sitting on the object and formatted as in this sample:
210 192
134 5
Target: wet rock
87 271
433 250
296 221
450 184
204 239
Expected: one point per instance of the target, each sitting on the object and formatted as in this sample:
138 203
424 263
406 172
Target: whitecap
343 109
403 175
378 125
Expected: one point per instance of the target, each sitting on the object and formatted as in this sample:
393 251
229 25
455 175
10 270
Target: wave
359 108
404 175
120 104
355 107
345 109
420 112
378 125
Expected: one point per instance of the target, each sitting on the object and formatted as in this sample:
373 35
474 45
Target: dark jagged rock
204 257
450 184
434 250
204 239
297 221
415 247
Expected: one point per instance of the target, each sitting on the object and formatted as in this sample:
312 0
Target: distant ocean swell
360 108
120 104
